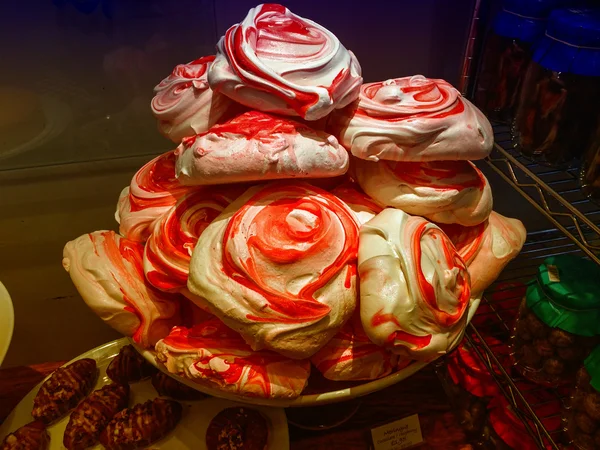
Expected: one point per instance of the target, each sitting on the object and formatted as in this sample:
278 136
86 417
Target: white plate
189 433
323 398
7 321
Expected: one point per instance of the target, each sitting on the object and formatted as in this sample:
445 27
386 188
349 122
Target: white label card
397 435
553 275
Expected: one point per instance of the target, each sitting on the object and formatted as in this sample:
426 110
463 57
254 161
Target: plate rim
10 319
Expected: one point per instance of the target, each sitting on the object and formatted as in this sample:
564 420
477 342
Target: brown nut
585 423
538 328
561 338
570 353
530 357
543 348
591 405
554 366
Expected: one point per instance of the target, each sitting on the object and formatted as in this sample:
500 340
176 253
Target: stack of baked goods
305 221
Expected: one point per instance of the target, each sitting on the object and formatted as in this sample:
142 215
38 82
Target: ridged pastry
32 436
279 267
129 367
412 119
441 191
256 146
487 248
216 356
107 270
65 388
278 62
414 287
93 414
167 386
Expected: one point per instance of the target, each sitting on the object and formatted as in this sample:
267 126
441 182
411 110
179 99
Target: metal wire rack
572 229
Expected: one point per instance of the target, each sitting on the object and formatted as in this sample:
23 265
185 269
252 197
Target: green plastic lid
566 294
592 365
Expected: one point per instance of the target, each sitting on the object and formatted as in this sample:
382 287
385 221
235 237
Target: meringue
414 287
413 119
184 104
278 62
279 267
107 271
487 248
361 204
441 191
215 356
258 146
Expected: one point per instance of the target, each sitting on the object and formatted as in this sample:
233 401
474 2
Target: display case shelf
572 228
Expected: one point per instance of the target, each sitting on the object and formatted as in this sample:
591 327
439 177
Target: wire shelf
573 218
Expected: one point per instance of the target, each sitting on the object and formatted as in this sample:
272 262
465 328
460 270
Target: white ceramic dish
189 433
7 321
323 398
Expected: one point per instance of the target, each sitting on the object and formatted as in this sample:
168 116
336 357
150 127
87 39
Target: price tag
397 435
553 275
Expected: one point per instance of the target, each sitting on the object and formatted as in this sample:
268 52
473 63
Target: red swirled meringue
212 354
350 355
441 191
152 192
414 287
169 248
413 119
258 146
276 61
184 103
279 267
487 248
107 271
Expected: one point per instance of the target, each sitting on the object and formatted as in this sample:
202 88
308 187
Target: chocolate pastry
543 347
169 387
237 428
585 423
65 388
32 436
570 353
538 328
560 338
522 331
584 441
141 425
591 405
554 366
583 377
93 414
129 366
530 357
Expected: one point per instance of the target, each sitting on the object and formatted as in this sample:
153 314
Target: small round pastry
279 267
154 189
129 367
414 287
543 347
214 355
169 248
184 104
107 270
238 428
442 191
487 248
350 355
412 119
591 404
255 146
278 62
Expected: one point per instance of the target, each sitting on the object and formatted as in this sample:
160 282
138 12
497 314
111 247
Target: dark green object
592 365
566 294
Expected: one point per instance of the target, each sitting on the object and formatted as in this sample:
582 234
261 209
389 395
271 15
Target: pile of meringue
306 221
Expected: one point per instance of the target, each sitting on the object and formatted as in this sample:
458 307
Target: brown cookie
141 425
129 366
32 436
65 388
237 428
93 414
169 387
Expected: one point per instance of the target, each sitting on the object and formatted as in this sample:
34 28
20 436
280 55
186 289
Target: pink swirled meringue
107 271
414 287
184 103
278 62
441 191
350 355
169 248
152 192
212 354
279 267
412 119
258 146
487 248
